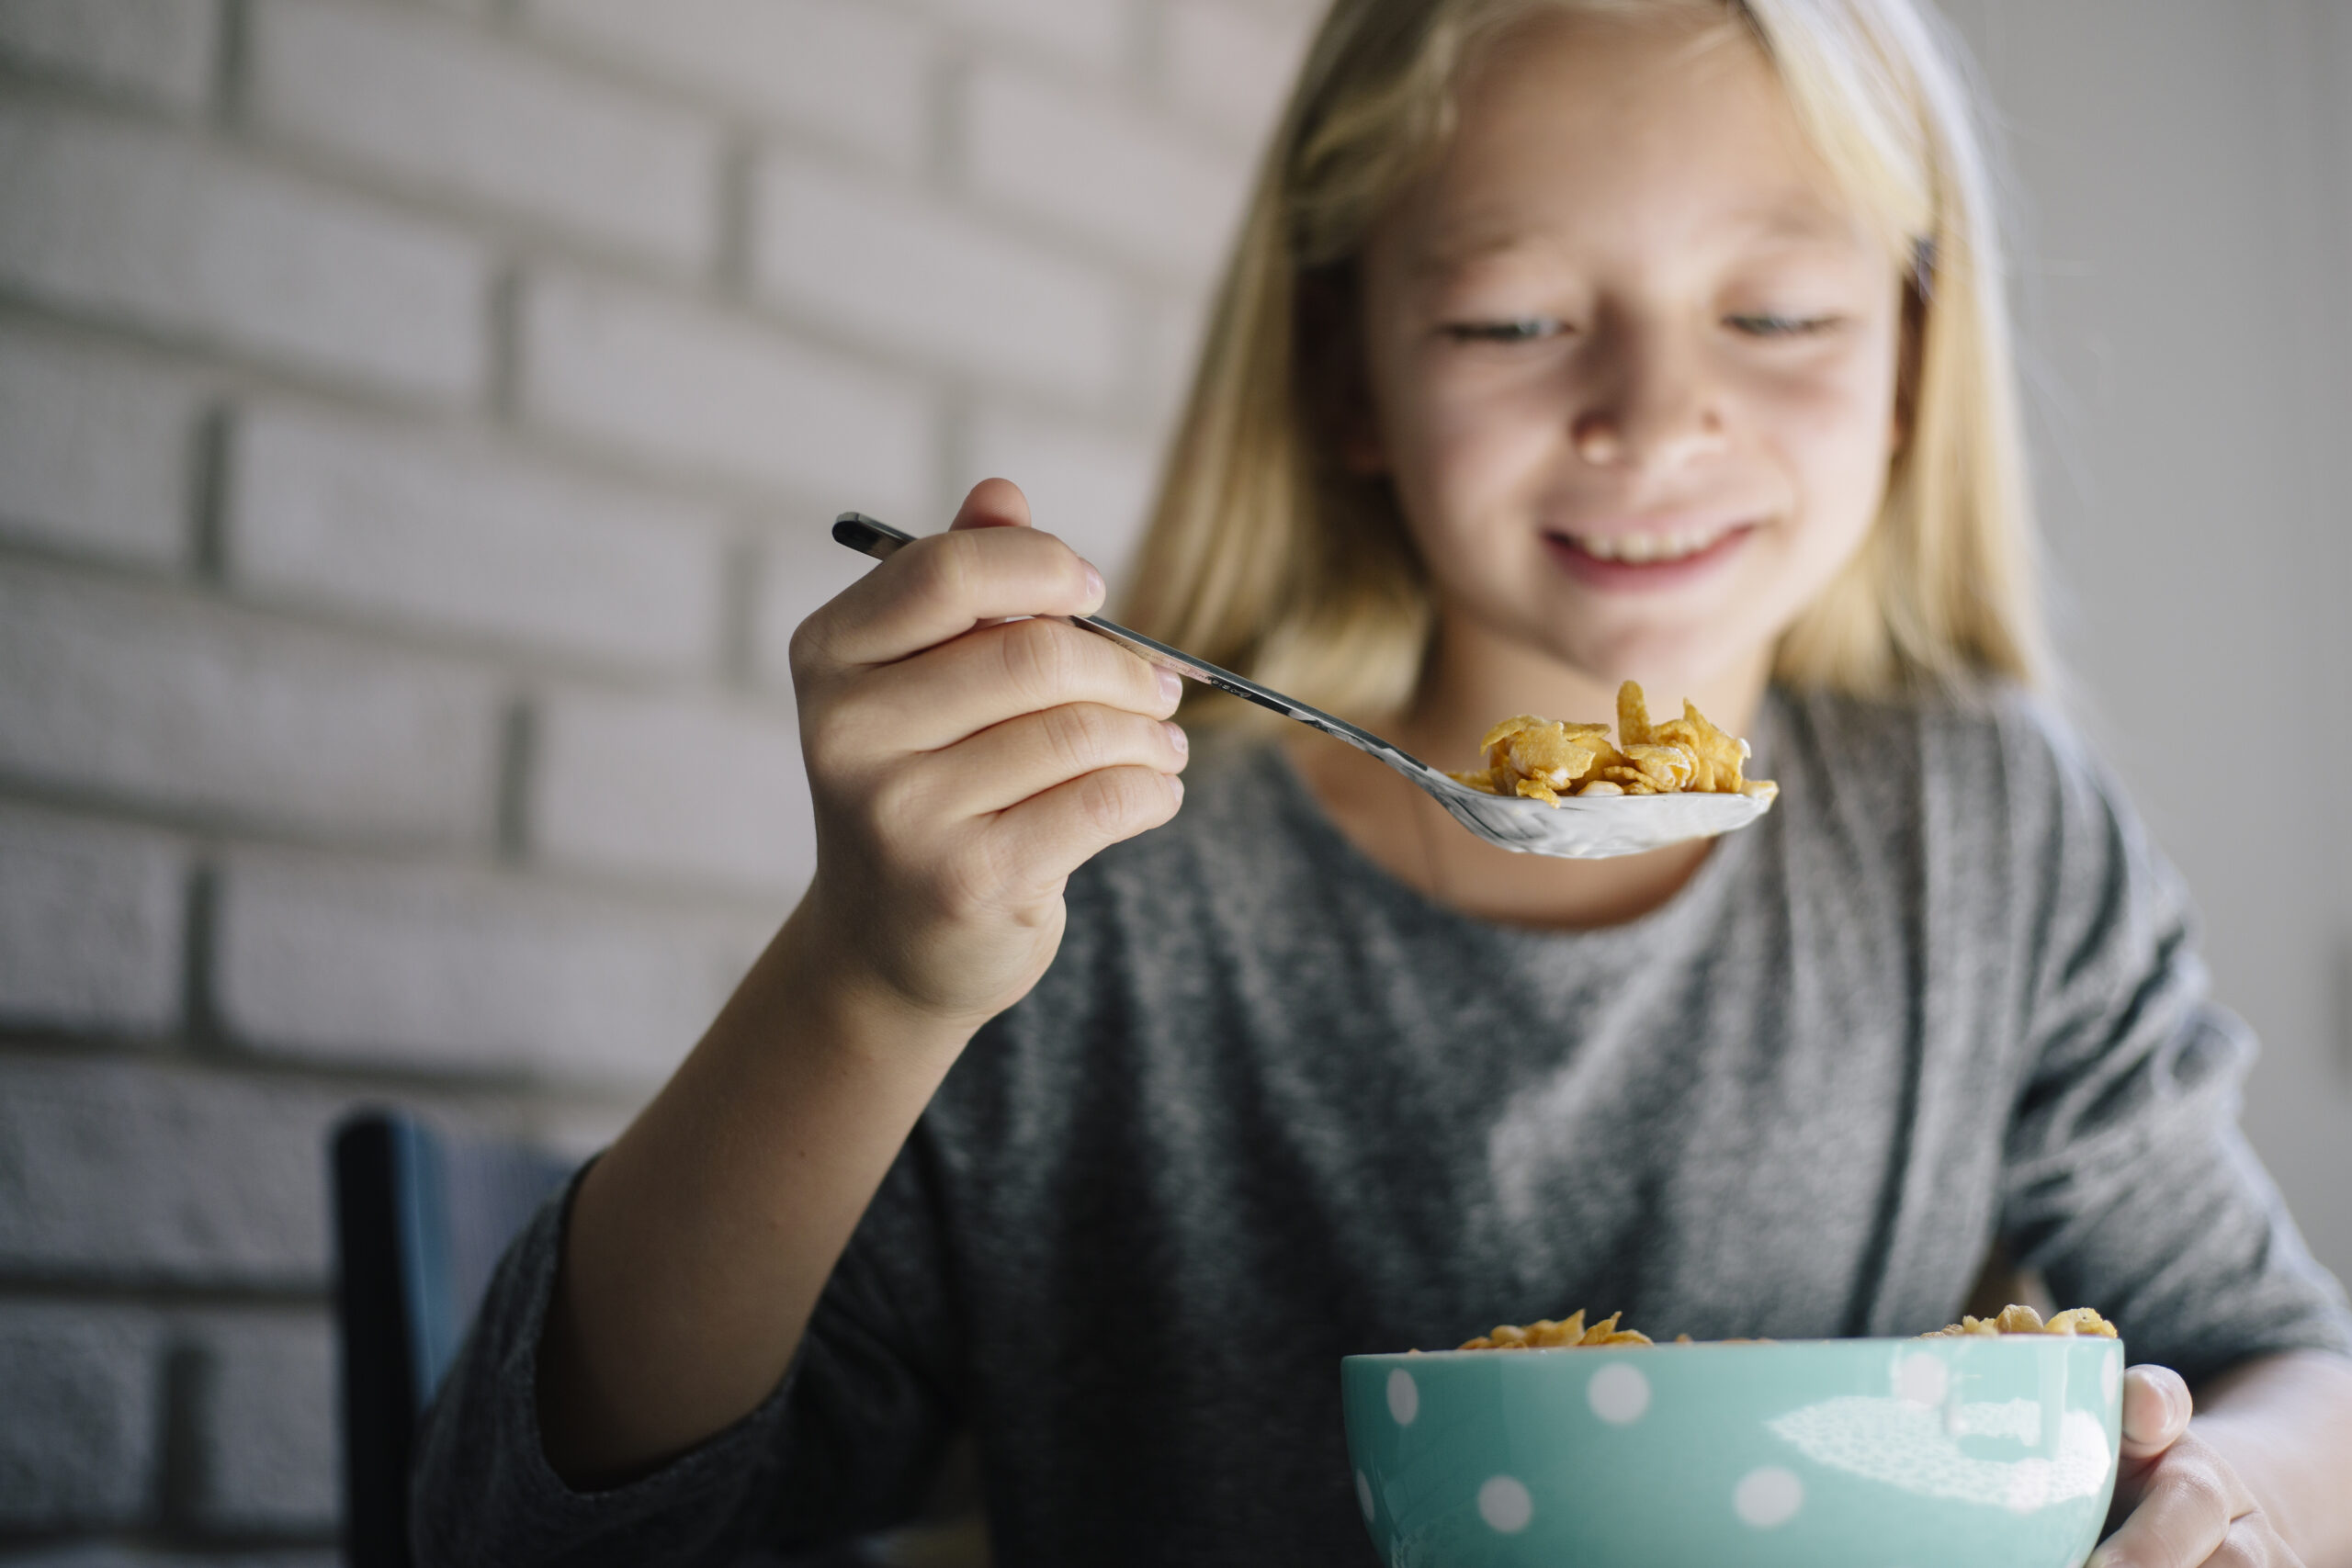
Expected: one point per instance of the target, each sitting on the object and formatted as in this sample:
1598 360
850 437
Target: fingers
993 504
993 674
1053 833
944 585
2156 1408
2189 1500
1035 752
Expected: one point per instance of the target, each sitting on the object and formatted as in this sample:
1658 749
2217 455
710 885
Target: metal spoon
1577 828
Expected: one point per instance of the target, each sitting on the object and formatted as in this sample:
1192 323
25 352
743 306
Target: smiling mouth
1664 548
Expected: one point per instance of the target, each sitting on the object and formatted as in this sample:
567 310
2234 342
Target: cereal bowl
1873 1453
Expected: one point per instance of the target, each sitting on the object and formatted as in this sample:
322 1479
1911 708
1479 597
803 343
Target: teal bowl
1845 1453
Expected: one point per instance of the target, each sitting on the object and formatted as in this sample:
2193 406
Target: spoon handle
878 539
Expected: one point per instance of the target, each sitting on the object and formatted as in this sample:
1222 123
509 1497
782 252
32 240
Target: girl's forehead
1602 130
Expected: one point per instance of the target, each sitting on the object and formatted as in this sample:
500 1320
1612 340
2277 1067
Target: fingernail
1094 585
1171 686
1178 785
1178 739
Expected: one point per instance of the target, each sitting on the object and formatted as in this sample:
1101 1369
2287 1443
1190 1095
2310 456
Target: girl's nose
1657 415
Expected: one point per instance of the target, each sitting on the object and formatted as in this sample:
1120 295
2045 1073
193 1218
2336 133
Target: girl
1568 340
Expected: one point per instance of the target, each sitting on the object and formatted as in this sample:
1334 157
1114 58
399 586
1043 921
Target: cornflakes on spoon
1540 759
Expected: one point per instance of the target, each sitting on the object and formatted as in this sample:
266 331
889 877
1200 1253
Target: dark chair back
421 1219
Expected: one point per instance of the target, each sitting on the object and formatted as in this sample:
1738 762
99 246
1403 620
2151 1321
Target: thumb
2156 1408
993 504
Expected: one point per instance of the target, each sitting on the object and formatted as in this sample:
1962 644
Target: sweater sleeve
847 1443
2128 1184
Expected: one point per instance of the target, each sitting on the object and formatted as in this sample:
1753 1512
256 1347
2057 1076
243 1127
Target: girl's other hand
2181 1504
964 762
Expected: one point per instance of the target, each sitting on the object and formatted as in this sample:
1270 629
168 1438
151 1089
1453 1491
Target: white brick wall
934 284
92 923
138 696
849 72
164 50
461 973
268 1393
505 129
1096 167
94 451
1098 36
454 537
126 1170
79 1445
685 388
419 427
702 792
107 221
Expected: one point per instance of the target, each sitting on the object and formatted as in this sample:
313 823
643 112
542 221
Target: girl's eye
1771 326
1528 329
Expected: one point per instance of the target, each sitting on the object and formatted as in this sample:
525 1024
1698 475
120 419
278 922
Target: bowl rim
2025 1340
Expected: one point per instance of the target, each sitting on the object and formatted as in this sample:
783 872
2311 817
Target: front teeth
1643 549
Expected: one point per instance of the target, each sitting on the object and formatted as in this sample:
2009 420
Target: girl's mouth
1635 559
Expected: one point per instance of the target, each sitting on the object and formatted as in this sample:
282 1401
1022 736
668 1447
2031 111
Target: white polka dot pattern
1363 1496
1404 1396
1767 1497
1922 1379
1504 1504
1618 1394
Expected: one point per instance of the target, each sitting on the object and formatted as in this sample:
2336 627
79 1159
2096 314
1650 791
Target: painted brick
467 974
453 536
674 788
696 390
137 1171
1101 168
845 70
91 922
162 51
94 452
142 693
266 1423
1098 34
78 1445
109 218
439 104
1089 487
1230 63
910 274
800 567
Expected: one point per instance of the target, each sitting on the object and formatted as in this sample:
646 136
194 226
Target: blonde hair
1267 555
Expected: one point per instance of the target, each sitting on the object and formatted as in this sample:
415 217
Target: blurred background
418 427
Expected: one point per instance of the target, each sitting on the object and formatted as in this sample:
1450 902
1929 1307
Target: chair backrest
421 1219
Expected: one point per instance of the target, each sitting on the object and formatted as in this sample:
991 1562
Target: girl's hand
2181 1504
963 764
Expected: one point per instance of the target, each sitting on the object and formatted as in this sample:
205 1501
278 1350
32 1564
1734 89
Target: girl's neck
1473 680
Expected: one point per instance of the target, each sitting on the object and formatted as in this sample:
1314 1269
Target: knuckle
944 566
972 879
1039 661
1116 801
1080 736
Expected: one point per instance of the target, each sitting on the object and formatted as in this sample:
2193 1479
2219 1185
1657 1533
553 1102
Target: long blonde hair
1266 554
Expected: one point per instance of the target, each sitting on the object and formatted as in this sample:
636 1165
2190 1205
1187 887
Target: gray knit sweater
1270 1107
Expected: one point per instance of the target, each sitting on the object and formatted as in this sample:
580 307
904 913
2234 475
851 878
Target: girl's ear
1332 374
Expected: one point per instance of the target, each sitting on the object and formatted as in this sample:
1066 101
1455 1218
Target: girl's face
1632 360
